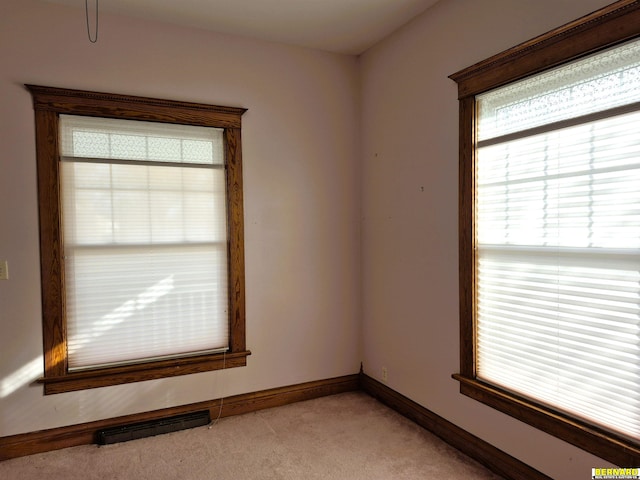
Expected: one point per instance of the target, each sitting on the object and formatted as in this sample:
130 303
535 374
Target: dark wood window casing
607 27
49 103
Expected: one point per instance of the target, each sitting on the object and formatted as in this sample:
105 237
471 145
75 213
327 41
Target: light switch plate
4 270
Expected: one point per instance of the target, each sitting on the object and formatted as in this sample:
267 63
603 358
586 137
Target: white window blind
558 238
145 240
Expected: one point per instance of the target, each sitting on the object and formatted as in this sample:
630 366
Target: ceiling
343 26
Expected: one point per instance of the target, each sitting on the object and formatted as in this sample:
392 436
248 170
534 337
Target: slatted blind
558 238
145 240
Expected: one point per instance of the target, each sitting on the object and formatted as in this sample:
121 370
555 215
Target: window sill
140 372
616 449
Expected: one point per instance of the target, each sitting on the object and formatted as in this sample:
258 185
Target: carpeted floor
349 436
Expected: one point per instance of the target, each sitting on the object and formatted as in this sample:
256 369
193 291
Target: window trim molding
609 26
603 28
48 104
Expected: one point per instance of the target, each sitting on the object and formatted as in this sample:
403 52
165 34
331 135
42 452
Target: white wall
410 195
301 160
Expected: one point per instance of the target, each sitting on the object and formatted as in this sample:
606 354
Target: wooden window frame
609 26
49 103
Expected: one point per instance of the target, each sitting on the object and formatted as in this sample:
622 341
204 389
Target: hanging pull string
224 365
86 10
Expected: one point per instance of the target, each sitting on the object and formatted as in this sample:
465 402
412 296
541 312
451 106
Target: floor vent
134 431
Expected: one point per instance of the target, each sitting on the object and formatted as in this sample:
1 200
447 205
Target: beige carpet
345 436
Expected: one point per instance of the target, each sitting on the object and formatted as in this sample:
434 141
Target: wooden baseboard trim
84 434
484 453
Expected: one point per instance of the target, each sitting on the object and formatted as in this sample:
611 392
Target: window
141 238
550 232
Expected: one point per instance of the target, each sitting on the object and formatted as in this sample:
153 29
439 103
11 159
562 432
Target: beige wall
301 199
334 147
410 194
